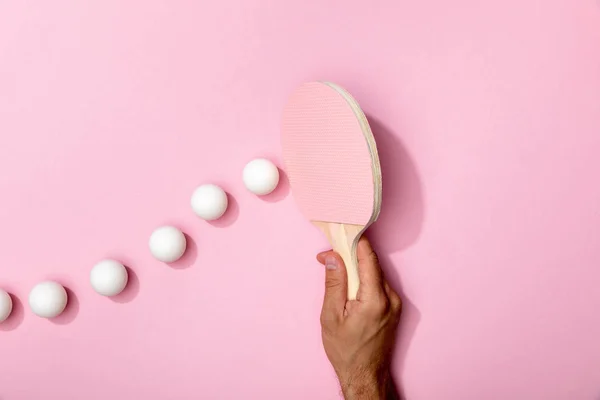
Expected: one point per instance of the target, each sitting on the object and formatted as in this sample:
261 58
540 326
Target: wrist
368 387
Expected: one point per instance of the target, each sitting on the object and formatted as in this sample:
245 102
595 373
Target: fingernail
330 263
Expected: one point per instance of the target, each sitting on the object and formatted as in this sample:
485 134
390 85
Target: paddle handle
343 239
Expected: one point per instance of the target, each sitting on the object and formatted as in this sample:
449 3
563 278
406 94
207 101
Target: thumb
336 285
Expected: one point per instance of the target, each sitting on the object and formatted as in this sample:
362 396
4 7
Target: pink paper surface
487 117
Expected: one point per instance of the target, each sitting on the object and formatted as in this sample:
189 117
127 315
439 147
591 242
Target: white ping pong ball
167 244
48 299
209 202
261 176
5 305
108 277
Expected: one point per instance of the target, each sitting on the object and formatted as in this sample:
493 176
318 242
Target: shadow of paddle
398 227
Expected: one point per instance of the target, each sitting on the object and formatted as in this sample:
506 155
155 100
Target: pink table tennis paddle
331 160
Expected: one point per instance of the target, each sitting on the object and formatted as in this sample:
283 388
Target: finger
369 270
336 287
394 298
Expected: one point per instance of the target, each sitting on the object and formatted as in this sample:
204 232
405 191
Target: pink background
487 116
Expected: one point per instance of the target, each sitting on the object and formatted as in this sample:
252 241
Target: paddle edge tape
372 145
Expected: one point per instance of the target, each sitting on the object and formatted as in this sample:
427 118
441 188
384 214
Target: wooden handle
343 239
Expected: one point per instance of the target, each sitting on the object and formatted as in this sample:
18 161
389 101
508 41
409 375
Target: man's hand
359 335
